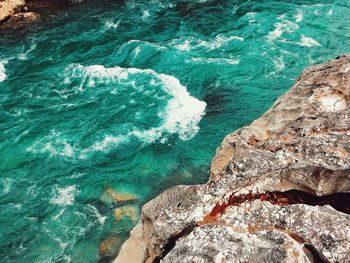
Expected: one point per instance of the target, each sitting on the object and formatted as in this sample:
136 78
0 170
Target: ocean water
131 98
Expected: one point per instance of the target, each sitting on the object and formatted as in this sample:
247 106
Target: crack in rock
279 189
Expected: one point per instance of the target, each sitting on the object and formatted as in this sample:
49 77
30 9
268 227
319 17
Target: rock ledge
19 14
278 191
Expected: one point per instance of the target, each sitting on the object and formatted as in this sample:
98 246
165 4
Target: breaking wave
181 115
2 71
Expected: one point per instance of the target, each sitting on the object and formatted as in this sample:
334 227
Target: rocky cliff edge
19 14
278 190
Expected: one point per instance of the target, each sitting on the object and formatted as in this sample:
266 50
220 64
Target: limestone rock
278 190
15 14
111 195
108 247
128 211
220 243
9 8
20 20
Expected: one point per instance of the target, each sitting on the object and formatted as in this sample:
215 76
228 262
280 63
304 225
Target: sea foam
299 16
229 61
110 24
280 28
180 116
24 55
64 196
308 42
2 70
192 43
7 184
101 219
279 63
53 145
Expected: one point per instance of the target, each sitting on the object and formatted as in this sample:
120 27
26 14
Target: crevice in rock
170 244
315 256
309 250
339 201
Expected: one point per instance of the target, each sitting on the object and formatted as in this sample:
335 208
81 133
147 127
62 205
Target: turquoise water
134 97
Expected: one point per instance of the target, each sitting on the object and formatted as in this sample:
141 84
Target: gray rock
270 190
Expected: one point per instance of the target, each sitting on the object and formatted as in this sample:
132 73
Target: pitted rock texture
216 243
19 14
278 190
9 7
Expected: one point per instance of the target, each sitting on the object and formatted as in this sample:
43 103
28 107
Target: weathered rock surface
278 191
20 20
15 14
9 7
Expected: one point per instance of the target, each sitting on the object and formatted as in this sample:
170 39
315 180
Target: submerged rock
278 191
126 212
110 195
109 247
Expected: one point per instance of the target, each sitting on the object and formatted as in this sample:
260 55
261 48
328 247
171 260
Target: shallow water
135 97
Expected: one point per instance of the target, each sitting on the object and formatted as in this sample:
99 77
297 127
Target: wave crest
181 115
2 71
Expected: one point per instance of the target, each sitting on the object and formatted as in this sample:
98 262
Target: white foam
108 141
183 111
51 148
110 24
137 51
308 42
99 217
67 150
181 115
299 16
60 213
64 196
221 40
145 15
218 41
280 28
7 184
54 145
279 64
24 55
2 70
185 46
216 60
139 43
251 17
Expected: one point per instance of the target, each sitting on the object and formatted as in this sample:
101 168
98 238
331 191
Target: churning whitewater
105 104
180 115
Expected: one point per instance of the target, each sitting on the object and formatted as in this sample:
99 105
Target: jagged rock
220 243
9 8
20 20
265 200
15 14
